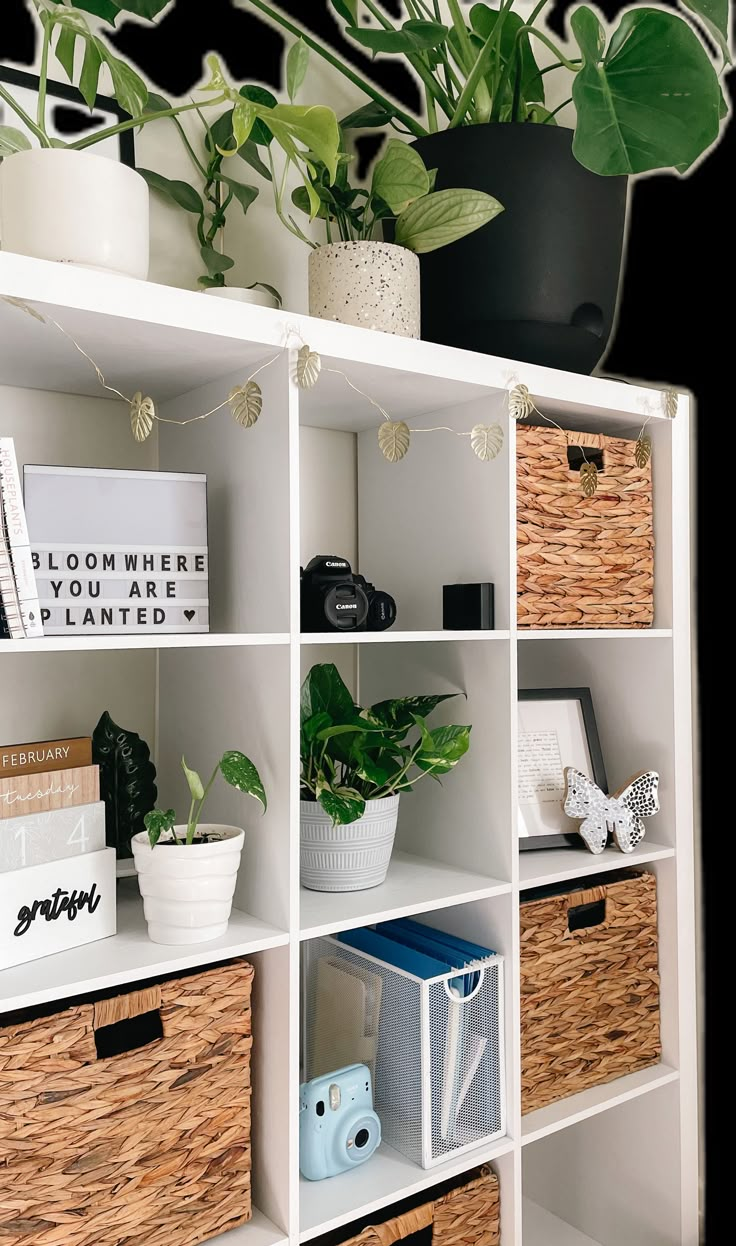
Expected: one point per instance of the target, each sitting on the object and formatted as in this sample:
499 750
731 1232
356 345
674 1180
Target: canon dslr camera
338 1128
334 599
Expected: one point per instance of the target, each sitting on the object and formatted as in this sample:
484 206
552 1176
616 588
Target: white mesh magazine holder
424 1011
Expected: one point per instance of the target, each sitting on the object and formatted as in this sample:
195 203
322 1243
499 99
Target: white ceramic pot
352 857
240 294
70 206
188 889
371 284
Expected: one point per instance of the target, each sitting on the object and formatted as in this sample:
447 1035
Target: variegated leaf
308 364
588 479
23 306
521 403
486 440
393 440
642 451
245 402
670 400
142 415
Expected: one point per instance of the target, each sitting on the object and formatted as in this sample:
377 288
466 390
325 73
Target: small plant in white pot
187 872
355 764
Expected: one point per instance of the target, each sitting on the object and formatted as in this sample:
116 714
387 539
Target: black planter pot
539 283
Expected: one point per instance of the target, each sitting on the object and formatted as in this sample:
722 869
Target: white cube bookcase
610 1165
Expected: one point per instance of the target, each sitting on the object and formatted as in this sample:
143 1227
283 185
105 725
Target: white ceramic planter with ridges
352 857
76 208
188 889
371 284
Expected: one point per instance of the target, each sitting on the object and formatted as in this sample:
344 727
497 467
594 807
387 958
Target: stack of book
57 878
20 614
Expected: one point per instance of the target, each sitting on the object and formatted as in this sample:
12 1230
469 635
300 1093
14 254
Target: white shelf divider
567 1112
127 956
413 885
539 867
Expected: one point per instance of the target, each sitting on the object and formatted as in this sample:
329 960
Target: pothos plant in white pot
187 872
355 764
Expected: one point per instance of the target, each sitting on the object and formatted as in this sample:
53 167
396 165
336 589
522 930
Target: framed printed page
556 728
118 551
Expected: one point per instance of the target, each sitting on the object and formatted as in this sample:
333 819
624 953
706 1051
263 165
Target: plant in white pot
187 872
355 764
355 276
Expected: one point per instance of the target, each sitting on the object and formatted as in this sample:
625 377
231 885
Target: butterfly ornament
621 814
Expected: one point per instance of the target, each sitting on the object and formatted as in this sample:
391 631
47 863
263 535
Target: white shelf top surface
590 1102
387 1176
259 1231
413 885
541 1228
540 866
397 637
151 640
599 633
166 341
127 956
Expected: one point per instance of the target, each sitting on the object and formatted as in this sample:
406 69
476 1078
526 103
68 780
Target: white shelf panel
166 341
587 1103
259 1231
152 640
541 1228
413 885
595 633
542 866
391 637
127 956
385 1178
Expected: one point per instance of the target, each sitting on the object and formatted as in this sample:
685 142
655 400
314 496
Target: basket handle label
403 1226
585 916
127 1022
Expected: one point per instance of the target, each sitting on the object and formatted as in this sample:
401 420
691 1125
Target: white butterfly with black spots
621 813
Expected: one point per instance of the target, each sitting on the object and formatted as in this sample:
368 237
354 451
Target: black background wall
675 326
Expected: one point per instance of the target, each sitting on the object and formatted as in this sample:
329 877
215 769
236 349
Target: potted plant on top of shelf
187 872
541 284
355 763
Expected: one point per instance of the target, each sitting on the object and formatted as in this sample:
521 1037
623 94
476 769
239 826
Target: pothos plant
646 97
350 755
237 770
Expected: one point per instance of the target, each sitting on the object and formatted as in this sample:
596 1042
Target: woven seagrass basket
589 988
151 1145
582 562
469 1215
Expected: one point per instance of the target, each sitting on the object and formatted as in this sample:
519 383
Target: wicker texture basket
589 996
582 562
467 1216
149 1146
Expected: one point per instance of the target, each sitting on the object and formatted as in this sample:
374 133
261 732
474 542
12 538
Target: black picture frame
70 95
583 696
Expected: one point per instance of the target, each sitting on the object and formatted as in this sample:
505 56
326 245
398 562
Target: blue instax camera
338 1128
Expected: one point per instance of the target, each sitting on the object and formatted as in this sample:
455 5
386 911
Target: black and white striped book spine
18 592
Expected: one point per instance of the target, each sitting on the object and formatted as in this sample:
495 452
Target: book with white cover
18 592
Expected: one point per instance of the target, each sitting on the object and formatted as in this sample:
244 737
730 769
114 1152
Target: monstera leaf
127 782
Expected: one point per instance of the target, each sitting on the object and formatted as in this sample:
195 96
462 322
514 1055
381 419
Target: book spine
19 759
43 793
20 599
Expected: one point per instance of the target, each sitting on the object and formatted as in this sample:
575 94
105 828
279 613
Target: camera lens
362 1137
382 611
346 607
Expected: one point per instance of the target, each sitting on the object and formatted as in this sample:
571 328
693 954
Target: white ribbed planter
76 208
352 857
371 284
188 890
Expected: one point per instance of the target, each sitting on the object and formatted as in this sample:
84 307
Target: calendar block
37 838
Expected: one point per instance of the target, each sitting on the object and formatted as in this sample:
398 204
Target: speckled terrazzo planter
371 284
